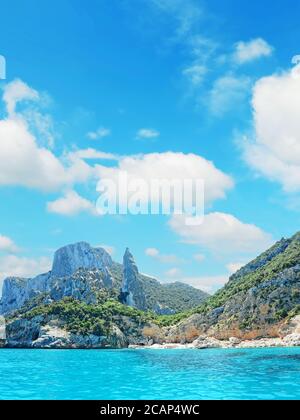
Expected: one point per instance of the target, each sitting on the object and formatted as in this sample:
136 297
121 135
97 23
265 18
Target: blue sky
207 81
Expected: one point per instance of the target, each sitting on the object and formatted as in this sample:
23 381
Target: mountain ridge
79 270
260 301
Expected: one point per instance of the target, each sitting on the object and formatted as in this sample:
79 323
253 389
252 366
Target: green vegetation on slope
81 318
286 259
283 255
97 319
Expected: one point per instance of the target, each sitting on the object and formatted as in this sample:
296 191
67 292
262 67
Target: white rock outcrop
70 258
65 279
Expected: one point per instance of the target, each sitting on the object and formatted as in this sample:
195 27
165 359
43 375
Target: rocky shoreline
88 301
289 337
35 334
292 340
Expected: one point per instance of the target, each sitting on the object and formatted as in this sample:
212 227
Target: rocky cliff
81 271
257 301
78 270
70 258
132 293
90 301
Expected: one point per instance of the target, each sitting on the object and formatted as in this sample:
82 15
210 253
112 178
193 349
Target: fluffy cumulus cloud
25 162
15 266
252 50
222 233
171 166
71 204
22 160
7 245
274 148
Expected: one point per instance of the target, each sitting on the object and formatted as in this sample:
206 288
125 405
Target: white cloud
16 92
170 166
234 267
33 166
92 154
71 204
274 149
222 233
195 73
99 134
296 59
41 125
7 245
147 133
186 14
38 167
252 50
202 51
13 266
163 258
227 92
208 284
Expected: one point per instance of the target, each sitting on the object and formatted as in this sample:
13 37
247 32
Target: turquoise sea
150 374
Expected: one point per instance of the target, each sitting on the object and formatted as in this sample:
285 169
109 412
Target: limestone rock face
22 332
16 291
46 334
132 293
78 271
70 258
82 285
259 306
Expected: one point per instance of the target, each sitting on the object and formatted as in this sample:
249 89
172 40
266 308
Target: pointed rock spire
130 270
132 292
